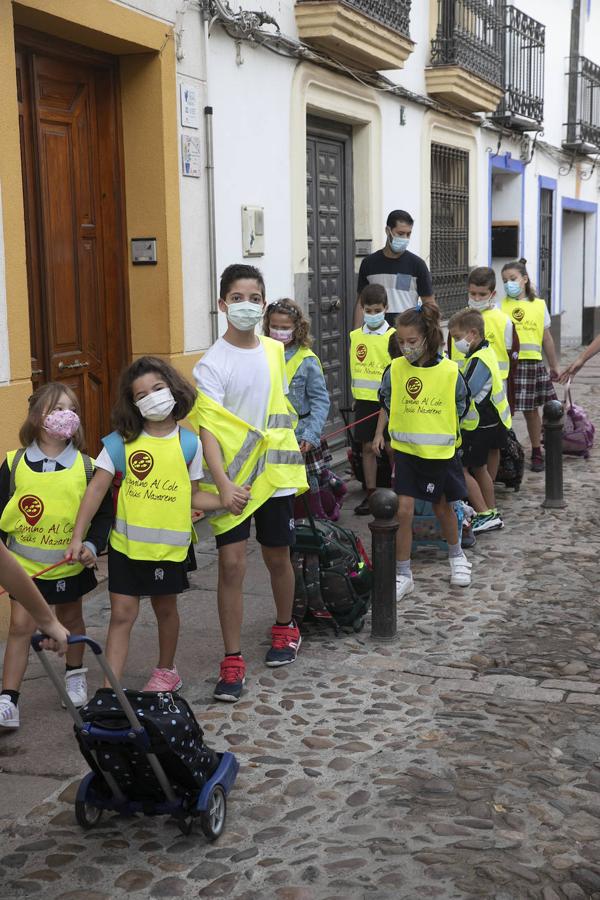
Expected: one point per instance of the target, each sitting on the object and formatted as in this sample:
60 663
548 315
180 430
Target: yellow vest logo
361 352
518 314
32 508
414 386
141 463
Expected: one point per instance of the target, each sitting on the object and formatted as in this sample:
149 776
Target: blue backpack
115 446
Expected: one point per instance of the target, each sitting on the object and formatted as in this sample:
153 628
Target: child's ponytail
426 320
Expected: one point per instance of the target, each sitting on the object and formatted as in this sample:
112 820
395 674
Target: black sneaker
537 463
231 680
467 539
363 508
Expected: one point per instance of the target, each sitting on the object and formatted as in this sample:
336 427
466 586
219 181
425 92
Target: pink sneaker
166 680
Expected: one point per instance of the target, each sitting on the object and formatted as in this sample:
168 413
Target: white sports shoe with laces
9 712
404 585
76 684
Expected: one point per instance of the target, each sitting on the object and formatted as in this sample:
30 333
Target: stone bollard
553 428
384 506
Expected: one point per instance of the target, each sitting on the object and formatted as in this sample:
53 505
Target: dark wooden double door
331 288
71 164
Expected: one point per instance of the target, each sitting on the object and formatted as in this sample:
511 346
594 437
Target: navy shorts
477 444
145 578
275 525
428 479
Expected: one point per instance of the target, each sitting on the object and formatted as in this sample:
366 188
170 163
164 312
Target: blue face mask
398 244
512 288
374 320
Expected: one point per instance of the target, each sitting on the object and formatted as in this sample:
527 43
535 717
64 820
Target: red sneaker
232 678
285 643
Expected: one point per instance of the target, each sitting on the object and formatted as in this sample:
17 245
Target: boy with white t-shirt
248 441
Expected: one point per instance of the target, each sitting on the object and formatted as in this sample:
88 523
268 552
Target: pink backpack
578 429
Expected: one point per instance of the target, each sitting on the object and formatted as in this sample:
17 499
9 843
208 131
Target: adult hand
570 372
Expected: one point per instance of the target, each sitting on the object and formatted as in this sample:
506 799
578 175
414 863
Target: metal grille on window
449 226
546 248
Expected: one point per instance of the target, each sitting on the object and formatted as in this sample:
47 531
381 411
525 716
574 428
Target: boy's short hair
373 293
467 320
235 272
399 215
482 276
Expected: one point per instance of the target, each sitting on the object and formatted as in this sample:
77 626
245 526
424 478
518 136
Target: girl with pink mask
41 486
285 322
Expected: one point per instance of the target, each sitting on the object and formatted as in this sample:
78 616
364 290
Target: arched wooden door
72 187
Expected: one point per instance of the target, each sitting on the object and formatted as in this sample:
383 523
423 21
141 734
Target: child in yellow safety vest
485 426
247 431
41 486
427 397
153 464
533 384
369 358
284 321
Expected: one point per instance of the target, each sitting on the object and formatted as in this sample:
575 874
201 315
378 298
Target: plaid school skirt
533 386
317 460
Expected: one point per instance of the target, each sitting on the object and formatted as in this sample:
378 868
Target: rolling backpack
512 462
578 429
332 573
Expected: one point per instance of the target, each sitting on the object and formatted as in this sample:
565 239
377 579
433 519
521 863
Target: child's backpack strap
88 466
19 454
189 445
115 447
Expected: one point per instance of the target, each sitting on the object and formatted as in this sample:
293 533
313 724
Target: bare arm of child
231 497
20 586
550 351
93 497
204 501
379 440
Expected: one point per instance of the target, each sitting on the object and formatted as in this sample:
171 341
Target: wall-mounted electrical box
253 230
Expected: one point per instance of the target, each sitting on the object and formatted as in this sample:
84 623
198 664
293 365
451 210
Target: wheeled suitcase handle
37 639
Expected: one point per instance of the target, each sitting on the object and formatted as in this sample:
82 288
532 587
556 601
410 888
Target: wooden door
331 282
70 149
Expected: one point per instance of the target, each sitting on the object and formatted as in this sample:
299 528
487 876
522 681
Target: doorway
331 282
71 161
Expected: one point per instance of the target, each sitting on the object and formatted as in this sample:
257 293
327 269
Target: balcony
466 54
583 122
371 35
522 106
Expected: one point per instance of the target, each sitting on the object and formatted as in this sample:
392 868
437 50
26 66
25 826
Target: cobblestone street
460 761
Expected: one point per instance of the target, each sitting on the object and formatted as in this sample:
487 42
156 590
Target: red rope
42 572
327 437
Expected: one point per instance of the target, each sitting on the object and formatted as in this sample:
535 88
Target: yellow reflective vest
39 517
495 326
264 459
423 414
498 394
528 318
153 515
295 361
369 358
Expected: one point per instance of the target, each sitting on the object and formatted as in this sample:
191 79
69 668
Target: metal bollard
553 428
384 506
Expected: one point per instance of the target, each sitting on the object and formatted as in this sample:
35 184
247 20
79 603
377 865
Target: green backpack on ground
333 575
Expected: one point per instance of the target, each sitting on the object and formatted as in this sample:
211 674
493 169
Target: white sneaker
9 712
460 571
404 585
76 684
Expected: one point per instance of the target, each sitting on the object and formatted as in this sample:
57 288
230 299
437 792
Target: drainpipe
210 192
573 72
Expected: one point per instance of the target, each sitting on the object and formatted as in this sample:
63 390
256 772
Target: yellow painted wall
146 52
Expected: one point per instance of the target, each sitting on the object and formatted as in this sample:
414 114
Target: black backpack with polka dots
175 737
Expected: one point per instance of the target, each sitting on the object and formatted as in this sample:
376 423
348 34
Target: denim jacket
308 395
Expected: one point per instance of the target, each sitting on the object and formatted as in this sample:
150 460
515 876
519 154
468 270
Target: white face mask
480 305
462 345
245 315
156 406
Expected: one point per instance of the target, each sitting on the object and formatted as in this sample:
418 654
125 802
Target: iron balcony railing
394 14
469 34
522 105
583 122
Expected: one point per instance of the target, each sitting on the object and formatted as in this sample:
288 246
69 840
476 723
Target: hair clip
419 306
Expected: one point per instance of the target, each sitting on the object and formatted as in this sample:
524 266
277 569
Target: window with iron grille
546 248
522 105
469 34
449 226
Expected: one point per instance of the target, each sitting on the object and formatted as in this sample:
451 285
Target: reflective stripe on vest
423 416
266 460
528 318
497 392
39 517
369 358
153 520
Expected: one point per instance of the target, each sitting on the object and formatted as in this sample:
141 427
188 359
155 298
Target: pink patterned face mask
62 423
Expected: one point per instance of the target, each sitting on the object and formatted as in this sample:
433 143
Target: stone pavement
460 761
